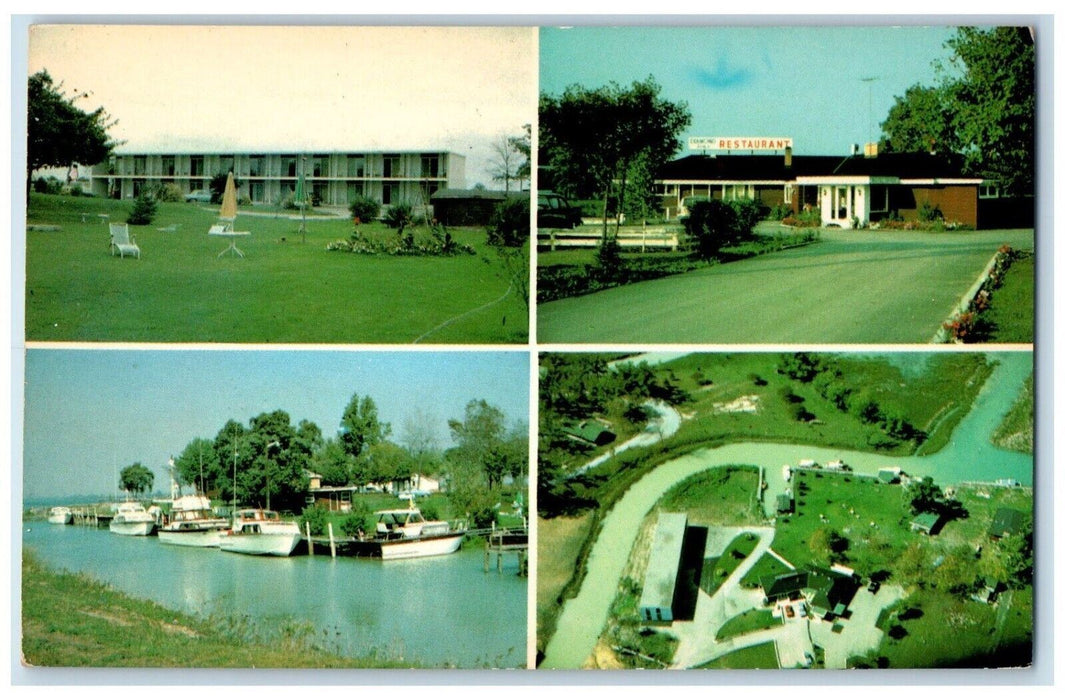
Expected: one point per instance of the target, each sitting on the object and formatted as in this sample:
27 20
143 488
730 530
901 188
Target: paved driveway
851 287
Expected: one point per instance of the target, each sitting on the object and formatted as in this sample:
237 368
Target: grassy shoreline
72 620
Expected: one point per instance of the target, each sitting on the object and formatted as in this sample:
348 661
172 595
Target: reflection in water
432 612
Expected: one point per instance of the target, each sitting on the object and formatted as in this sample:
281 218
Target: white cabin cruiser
193 523
132 519
263 532
60 515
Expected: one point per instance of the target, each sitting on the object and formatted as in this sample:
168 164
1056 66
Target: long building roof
772 168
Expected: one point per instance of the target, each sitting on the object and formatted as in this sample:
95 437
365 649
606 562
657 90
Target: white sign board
738 143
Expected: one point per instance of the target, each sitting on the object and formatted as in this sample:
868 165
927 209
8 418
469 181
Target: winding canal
969 456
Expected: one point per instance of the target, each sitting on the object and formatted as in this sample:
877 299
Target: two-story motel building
332 178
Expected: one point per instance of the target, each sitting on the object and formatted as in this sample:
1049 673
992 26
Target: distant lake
431 612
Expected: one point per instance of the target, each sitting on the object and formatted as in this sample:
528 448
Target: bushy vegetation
714 224
509 226
169 192
364 209
144 209
399 216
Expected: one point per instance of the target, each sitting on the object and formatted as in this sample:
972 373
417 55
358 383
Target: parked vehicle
554 211
198 196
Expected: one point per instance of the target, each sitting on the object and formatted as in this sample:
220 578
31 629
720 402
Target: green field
852 287
933 397
284 291
1017 430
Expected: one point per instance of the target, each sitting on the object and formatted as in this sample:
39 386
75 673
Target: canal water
431 612
969 456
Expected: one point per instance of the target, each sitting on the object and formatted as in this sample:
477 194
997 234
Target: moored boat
60 515
262 532
193 523
132 519
403 533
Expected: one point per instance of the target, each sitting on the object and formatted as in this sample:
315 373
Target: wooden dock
504 542
90 518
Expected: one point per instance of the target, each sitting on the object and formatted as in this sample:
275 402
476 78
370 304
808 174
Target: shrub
364 209
398 216
779 212
748 214
144 208
76 191
360 519
608 257
169 192
47 186
928 212
509 226
317 517
715 224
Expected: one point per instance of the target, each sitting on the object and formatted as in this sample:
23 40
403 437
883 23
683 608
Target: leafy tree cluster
575 387
609 141
982 108
58 131
365 209
270 458
136 479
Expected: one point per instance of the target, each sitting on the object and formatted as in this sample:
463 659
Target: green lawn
748 621
852 287
1010 316
284 290
759 656
717 497
717 569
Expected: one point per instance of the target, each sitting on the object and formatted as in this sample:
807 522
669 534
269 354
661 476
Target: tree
598 140
360 427
925 496
993 103
58 131
144 208
136 479
919 122
983 107
198 465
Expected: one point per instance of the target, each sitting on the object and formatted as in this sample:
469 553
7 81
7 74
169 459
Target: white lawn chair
122 242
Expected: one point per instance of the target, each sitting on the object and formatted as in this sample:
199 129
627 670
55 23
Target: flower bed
440 243
964 325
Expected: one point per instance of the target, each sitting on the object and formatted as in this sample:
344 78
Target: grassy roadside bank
71 620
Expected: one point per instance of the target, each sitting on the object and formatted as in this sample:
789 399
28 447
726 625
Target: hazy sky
89 413
799 82
300 88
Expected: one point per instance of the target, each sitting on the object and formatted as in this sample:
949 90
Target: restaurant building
850 191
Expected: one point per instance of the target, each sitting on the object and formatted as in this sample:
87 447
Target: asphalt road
851 287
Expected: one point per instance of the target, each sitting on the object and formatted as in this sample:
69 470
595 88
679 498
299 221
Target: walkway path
851 287
665 423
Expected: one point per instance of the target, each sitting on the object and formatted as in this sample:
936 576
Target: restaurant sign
738 143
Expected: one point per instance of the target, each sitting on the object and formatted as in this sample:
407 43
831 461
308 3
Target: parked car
554 211
198 196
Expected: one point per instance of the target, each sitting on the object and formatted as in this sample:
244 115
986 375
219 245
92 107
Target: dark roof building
458 207
849 191
928 523
1007 521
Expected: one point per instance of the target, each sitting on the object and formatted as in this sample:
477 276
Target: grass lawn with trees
284 290
1010 318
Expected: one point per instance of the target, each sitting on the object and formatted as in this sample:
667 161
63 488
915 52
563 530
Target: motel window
988 190
168 165
288 166
140 165
196 166
355 189
356 166
389 192
878 198
391 166
255 166
430 166
320 166
226 163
